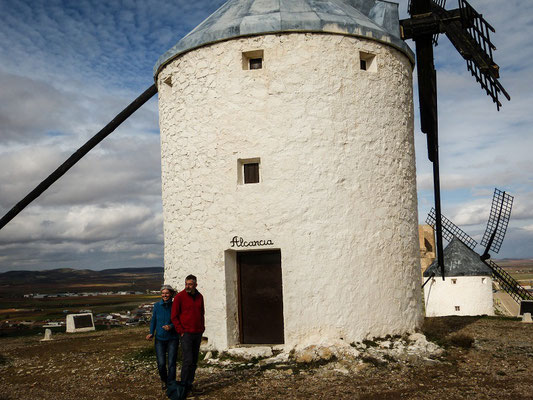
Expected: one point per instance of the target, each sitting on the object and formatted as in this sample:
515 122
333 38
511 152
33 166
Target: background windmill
500 214
469 33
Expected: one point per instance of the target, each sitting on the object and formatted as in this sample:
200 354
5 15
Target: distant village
85 294
138 316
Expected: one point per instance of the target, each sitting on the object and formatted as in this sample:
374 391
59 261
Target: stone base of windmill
341 356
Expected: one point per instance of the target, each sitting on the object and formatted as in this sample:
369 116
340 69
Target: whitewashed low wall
472 294
337 194
80 323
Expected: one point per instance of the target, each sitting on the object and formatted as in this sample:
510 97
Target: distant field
23 309
518 263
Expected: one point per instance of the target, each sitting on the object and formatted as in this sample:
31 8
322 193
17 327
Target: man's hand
167 327
149 336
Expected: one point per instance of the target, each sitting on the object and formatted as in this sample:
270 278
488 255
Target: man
188 319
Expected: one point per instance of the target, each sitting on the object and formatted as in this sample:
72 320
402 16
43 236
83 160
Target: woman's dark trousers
190 347
162 348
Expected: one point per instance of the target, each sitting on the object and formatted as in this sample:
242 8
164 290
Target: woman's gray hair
169 288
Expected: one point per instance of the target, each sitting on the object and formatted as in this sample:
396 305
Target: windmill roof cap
459 260
373 19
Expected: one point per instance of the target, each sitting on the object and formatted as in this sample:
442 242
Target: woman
166 337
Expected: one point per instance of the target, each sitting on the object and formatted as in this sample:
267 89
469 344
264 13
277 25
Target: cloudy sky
68 67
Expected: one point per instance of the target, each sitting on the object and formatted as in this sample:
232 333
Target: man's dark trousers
190 347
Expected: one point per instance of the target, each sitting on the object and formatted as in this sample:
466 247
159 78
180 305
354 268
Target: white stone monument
80 323
47 335
288 172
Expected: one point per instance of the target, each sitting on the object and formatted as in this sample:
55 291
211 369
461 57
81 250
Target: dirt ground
485 358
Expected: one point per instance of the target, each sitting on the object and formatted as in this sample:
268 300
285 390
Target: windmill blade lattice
500 213
442 4
450 230
481 64
508 283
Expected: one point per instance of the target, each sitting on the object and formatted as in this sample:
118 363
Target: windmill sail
508 283
500 213
450 230
480 62
78 155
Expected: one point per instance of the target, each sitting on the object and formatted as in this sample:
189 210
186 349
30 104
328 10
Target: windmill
500 214
468 31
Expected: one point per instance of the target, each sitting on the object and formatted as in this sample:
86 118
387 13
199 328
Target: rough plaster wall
469 293
337 192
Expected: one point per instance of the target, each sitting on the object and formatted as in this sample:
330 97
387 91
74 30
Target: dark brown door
261 298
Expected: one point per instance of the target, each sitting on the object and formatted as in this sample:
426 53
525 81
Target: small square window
457 308
252 60
248 171
251 173
483 280
367 62
256 63
454 281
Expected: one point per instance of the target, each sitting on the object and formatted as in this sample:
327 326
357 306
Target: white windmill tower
288 171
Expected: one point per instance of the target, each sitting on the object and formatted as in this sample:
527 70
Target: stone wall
337 193
428 250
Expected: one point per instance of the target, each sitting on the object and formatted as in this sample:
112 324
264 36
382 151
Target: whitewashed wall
337 192
472 294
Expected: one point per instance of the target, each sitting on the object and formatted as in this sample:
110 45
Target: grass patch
445 331
145 354
462 340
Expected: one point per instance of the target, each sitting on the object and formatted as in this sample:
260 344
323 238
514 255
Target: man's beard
190 291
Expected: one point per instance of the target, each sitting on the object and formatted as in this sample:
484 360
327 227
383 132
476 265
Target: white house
288 171
467 287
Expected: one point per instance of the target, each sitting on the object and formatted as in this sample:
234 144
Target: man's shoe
163 386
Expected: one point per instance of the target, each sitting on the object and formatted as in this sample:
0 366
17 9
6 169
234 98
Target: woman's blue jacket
160 317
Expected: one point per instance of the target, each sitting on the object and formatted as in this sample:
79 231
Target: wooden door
260 297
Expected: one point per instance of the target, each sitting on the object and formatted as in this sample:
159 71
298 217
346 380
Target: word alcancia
238 241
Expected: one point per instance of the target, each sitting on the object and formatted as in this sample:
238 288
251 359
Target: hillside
67 279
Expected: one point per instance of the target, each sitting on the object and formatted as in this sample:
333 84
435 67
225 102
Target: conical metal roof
459 260
374 19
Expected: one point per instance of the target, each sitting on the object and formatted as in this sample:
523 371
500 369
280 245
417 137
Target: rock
249 353
342 370
280 358
385 344
526 318
306 355
208 355
324 353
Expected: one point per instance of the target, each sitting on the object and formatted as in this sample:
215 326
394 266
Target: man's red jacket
188 312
